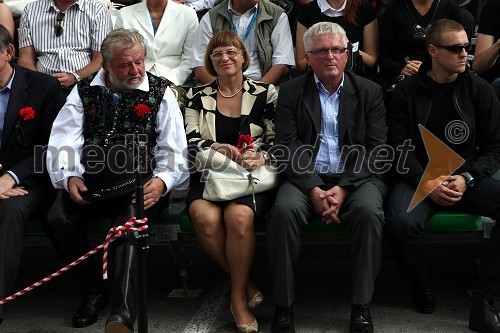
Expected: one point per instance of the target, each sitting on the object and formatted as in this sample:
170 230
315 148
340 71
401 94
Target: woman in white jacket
168 29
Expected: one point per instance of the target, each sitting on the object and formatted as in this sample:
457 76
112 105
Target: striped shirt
85 24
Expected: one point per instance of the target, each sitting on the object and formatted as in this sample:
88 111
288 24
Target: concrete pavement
323 280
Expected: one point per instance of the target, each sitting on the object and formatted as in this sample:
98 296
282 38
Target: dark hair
225 38
351 11
434 31
5 38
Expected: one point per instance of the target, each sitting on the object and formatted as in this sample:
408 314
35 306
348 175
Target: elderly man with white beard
114 123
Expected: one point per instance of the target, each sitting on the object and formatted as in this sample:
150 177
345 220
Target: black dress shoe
422 297
88 311
484 317
283 320
361 319
118 324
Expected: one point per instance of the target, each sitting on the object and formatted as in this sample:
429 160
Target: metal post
141 245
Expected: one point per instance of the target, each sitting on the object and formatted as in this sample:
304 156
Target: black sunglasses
58 29
455 48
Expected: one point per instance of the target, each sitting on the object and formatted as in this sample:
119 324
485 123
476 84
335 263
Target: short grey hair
123 38
323 28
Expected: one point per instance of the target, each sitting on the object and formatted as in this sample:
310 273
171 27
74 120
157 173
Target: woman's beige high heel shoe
256 300
245 328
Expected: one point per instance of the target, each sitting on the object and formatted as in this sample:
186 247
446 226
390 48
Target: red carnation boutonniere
245 142
27 113
141 110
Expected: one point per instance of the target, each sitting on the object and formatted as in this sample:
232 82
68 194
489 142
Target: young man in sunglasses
462 111
62 38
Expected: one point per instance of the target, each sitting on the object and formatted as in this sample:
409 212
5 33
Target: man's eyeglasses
325 51
58 29
454 48
219 54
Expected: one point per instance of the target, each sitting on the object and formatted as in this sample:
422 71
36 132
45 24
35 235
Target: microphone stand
141 246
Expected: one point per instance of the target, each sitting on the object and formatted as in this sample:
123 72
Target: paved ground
322 297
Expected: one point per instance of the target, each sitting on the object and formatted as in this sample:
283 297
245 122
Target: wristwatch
267 159
77 77
469 179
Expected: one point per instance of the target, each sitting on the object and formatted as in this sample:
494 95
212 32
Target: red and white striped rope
132 224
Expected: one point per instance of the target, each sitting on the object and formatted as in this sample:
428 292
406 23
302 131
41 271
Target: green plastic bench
440 222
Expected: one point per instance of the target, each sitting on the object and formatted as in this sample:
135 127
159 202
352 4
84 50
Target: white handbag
227 180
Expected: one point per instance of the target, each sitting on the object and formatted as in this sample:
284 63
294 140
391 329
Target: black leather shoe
283 320
88 312
484 317
118 324
422 297
361 319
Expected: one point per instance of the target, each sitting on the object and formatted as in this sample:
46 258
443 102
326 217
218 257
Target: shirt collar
78 4
234 12
325 6
100 80
9 84
321 87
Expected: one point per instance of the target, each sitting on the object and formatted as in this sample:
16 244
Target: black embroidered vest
127 119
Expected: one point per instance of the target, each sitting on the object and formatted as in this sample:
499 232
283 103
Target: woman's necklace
420 31
228 96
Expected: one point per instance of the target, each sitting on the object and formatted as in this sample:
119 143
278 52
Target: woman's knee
239 219
205 220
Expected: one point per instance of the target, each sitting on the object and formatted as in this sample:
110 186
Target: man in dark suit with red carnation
29 103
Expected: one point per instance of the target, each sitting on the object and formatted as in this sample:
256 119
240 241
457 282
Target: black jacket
361 126
476 104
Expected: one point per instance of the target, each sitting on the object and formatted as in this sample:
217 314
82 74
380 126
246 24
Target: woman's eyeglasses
219 54
58 28
454 48
325 51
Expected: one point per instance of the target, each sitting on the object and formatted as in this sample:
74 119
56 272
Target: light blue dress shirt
4 101
328 159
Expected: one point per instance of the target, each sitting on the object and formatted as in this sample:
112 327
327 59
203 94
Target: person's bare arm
7 19
203 75
27 57
370 44
275 74
68 80
486 53
300 57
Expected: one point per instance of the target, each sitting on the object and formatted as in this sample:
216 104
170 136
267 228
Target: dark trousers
363 214
405 229
65 227
14 214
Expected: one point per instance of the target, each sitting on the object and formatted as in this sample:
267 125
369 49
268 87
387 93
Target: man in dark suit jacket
329 126
29 103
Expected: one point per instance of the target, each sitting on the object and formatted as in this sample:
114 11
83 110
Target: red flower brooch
245 142
141 110
27 113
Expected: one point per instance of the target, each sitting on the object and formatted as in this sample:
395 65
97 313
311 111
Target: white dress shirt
66 141
281 41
